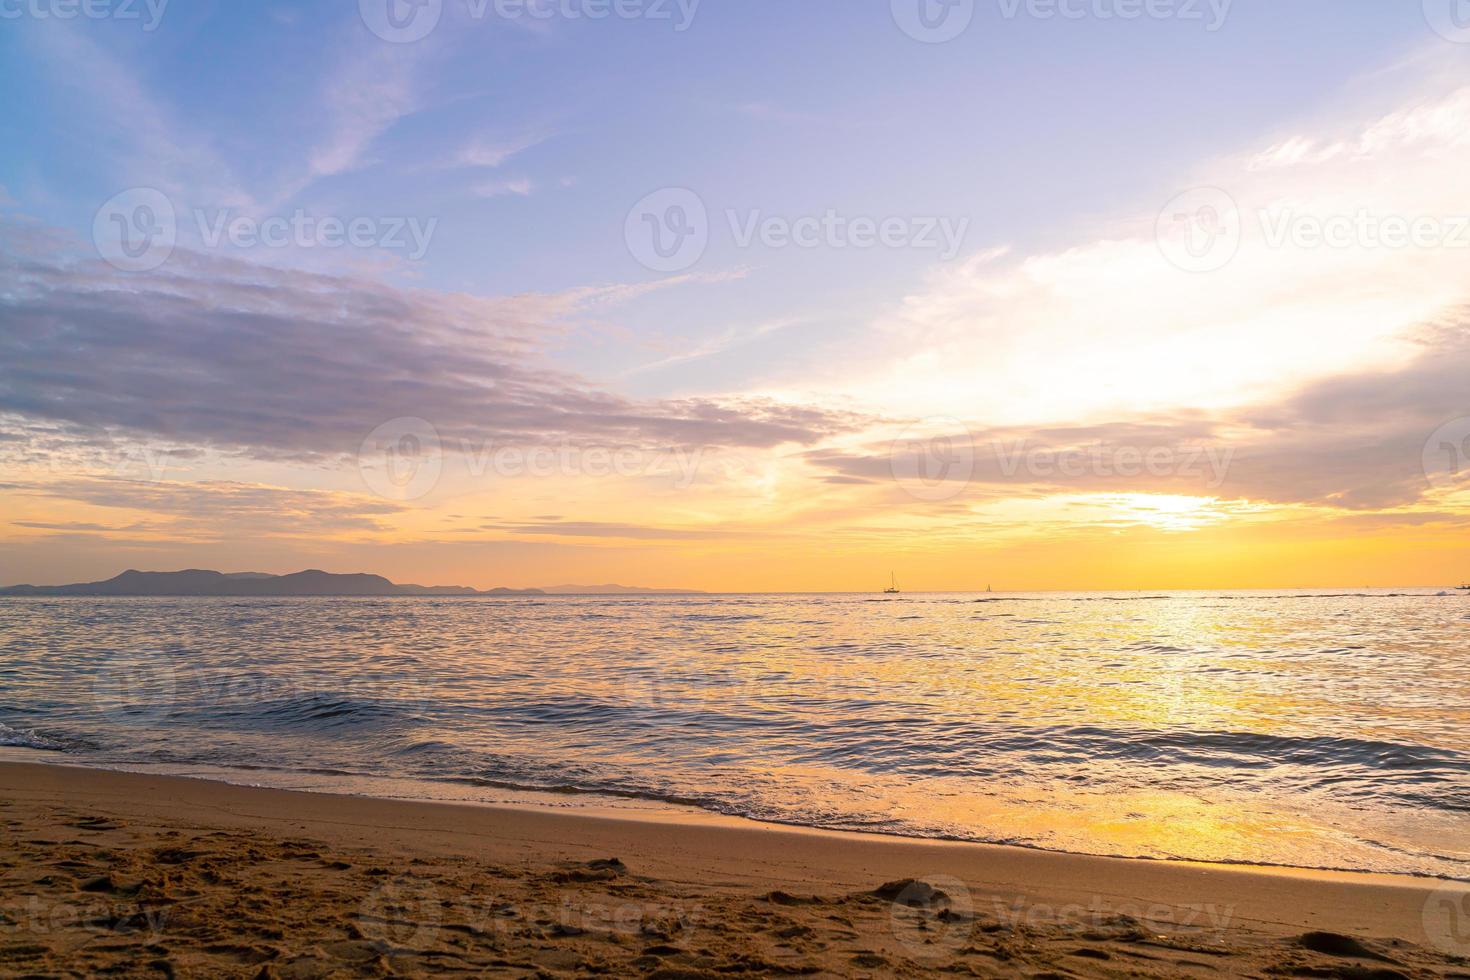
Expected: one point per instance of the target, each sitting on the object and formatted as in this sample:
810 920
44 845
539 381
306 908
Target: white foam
27 739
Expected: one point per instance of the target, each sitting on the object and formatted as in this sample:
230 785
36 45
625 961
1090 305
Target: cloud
72 526
729 339
519 186
363 100
599 529
110 110
1108 327
145 143
1358 523
494 153
215 509
234 357
1353 442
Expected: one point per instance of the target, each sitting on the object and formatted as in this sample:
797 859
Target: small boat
892 589
1462 588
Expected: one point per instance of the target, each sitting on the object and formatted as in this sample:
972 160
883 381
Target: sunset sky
784 296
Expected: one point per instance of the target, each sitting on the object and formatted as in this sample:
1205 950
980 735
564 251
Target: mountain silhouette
201 582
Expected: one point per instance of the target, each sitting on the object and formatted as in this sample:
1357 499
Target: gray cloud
217 509
598 529
1354 442
72 526
239 357
1370 521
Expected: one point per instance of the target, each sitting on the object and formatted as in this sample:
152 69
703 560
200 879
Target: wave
846 822
29 739
309 712
1256 749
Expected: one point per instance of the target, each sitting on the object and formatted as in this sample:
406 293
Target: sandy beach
107 872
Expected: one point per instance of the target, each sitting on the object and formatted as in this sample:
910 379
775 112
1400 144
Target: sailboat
892 589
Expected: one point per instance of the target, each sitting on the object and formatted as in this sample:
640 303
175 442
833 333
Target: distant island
313 582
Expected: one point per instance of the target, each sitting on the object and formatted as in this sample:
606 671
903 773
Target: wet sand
138 875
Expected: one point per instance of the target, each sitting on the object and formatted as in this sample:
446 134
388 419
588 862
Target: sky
1027 294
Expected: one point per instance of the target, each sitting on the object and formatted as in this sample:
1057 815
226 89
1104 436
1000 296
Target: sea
1317 729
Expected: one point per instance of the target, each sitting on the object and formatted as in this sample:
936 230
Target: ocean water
1312 730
